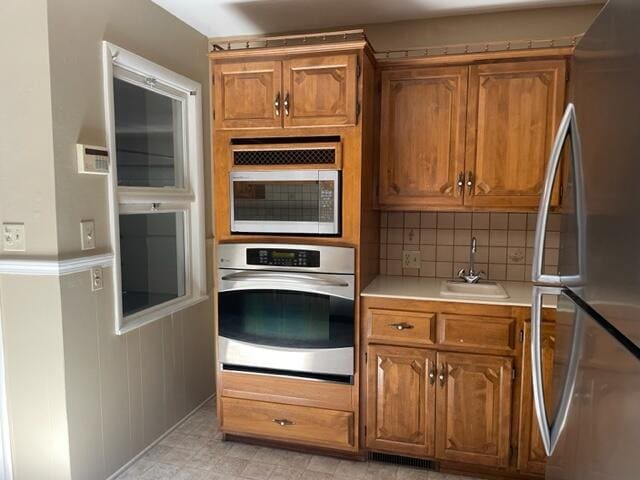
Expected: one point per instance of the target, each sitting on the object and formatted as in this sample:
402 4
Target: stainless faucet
472 276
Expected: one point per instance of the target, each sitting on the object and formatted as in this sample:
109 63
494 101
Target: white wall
83 401
31 311
537 24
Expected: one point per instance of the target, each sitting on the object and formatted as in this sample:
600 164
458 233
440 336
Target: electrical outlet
97 281
410 259
87 235
13 237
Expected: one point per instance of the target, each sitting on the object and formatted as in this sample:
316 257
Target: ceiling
224 18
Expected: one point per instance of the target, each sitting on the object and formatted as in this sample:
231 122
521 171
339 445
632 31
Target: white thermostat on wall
92 159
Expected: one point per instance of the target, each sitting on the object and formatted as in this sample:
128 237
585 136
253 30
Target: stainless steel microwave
296 202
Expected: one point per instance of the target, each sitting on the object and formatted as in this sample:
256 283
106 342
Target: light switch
97 281
87 235
13 237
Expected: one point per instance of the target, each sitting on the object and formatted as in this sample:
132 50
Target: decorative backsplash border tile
504 243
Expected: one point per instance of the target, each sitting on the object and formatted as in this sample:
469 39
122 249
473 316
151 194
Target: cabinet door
423 115
473 408
514 110
400 400
247 95
531 454
320 91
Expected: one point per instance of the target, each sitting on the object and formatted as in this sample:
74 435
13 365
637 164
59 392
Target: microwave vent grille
285 157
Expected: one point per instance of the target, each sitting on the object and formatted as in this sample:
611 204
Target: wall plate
87 235
410 259
97 280
13 237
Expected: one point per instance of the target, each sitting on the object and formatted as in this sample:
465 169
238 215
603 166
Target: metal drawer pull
283 422
401 326
470 182
432 376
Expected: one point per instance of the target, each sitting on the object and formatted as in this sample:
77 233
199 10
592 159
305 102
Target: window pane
152 255
148 137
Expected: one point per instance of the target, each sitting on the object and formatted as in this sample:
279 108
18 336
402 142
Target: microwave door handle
551 431
298 278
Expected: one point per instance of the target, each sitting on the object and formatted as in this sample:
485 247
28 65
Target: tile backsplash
504 243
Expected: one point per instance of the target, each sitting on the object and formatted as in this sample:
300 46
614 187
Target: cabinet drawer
407 327
286 390
329 428
477 332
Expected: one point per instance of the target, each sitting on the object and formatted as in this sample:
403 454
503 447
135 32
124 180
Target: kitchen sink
456 288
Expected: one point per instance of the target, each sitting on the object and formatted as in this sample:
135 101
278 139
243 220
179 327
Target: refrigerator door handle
568 124
551 431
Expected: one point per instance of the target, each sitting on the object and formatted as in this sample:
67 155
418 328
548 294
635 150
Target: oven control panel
281 257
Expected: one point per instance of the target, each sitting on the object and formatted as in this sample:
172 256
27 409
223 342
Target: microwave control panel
327 197
280 257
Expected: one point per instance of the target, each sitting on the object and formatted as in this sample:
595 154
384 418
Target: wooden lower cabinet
451 406
455 388
315 426
401 400
473 408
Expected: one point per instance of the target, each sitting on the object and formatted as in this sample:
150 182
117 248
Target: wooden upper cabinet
473 408
320 91
400 400
246 95
423 114
514 110
531 453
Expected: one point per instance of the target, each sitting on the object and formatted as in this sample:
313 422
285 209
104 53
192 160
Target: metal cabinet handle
443 375
286 104
461 183
550 431
283 422
276 104
470 181
401 326
568 124
432 376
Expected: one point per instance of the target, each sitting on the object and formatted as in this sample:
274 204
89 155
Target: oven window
280 201
284 318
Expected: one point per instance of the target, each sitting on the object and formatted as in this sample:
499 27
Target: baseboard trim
121 470
54 267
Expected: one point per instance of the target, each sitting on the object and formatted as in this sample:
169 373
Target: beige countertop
421 288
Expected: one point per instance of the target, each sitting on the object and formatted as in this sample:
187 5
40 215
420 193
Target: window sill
152 315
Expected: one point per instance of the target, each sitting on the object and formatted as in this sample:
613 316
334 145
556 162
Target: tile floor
195 451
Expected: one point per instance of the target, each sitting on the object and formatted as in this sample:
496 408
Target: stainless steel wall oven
287 309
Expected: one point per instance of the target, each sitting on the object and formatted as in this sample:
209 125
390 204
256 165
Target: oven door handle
284 277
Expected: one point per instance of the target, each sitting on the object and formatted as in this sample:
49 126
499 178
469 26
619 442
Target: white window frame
188 199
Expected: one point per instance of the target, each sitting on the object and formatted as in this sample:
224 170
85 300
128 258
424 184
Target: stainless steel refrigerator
590 422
